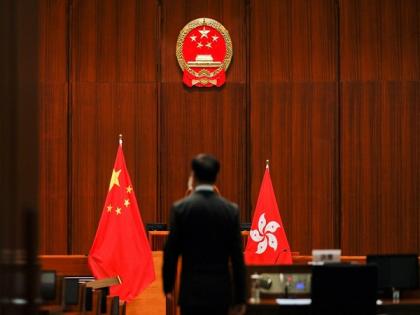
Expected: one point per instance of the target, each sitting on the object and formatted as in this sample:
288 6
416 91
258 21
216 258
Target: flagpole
267 164
120 139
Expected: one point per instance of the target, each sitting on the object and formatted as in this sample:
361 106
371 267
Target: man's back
207 222
205 231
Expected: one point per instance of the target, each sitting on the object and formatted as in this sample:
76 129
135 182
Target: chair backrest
399 271
73 292
48 286
113 306
344 289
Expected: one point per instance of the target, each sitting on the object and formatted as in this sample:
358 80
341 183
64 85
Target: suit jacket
204 230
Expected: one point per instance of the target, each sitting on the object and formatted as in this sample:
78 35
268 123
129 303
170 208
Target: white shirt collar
204 187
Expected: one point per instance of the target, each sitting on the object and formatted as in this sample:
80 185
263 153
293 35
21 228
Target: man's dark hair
205 168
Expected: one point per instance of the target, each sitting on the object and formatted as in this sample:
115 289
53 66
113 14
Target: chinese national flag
121 247
267 243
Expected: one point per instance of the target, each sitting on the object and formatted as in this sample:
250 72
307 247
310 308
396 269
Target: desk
269 307
409 306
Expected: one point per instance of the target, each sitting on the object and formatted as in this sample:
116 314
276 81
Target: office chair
344 289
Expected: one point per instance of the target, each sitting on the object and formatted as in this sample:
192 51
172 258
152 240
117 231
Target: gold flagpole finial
267 163
120 139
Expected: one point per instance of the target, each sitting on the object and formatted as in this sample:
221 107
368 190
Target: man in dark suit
204 230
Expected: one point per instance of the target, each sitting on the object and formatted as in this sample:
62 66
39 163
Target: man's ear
191 181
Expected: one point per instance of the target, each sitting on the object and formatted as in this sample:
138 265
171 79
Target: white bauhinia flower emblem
264 235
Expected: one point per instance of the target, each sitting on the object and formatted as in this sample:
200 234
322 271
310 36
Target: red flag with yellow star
121 247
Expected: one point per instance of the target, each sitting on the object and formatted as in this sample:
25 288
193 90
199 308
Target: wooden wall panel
96 143
53 123
294 115
380 167
53 169
380 131
379 40
328 90
113 74
114 41
194 123
194 120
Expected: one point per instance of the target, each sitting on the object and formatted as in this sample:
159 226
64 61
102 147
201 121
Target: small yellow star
126 202
114 179
109 208
129 189
118 211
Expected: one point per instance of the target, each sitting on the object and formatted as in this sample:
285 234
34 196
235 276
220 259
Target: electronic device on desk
245 226
156 227
395 272
349 287
325 256
279 284
286 284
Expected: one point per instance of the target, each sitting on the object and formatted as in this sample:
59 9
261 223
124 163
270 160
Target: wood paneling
53 41
380 168
202 120
380 126
114 91
294 115
53 168
53 123
100 113
379 40
327 90
218 127
114 41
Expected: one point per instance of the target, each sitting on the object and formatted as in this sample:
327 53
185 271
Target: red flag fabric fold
121 247
267 242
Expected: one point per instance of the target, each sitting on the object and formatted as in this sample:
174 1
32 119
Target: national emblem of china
204 52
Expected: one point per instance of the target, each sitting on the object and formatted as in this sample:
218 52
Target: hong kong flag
267 243
121 247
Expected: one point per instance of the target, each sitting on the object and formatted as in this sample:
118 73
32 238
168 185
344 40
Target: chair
101 302
48 286
344 289
114 307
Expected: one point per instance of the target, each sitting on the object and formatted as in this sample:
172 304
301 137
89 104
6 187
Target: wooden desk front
409 306
150 302
406 306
